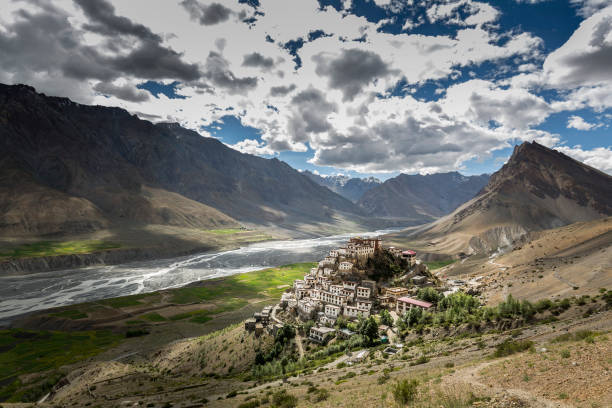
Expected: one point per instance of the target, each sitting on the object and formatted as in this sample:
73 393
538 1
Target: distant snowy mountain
352 188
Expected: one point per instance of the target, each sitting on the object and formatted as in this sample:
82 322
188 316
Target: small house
405 303
321 334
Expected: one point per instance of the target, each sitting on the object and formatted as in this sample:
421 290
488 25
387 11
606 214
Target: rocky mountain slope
538 188
428 196
352 188
74 168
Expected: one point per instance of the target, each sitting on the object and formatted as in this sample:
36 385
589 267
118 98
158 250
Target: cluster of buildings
262 320
338 287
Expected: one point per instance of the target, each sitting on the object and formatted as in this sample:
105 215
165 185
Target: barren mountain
538 188
426 196
75 168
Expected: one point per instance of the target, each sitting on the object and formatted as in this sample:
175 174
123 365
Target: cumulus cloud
585 59
207 14
43 47
255 59
599 157
126 92
352 70
349 102
579 123
252 146
310 112
218 72
587 8
282 90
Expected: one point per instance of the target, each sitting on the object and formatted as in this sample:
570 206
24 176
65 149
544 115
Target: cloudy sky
360 87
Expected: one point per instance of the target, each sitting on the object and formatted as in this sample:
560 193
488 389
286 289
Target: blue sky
358 87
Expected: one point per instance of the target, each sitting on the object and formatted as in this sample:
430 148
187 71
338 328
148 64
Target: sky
354 87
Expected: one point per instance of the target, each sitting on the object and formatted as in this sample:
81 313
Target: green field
53 248
265 283
27 352
226 231
439 264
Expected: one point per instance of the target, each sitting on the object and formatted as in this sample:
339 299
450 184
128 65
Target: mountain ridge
428 196
538 188
120 165
351 188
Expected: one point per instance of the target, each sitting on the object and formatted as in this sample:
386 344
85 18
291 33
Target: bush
420 360
404 391
320 395
231 394
565 354
509 347
282 399
136 333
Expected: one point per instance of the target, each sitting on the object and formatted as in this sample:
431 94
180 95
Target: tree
429 295
368 328
341 322
385 318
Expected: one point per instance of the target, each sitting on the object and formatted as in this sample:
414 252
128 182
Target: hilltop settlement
355 281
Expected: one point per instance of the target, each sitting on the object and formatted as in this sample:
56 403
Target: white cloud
579 123
252 146
586 57
330 104
599 157
587 8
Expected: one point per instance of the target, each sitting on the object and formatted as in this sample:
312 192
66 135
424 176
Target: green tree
368 328
385 318
429 295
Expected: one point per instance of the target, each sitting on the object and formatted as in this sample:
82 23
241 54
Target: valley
143 264
189 346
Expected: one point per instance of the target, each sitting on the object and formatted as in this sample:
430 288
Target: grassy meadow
54 248
226 231
27 352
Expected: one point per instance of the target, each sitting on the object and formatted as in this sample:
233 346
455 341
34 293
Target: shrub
509 347
542 305
320 395
281 399
231 394
404 391
136 333
565 354
420 360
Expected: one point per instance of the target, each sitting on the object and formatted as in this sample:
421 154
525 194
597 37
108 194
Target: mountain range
352 188
71 168
425 196
538 188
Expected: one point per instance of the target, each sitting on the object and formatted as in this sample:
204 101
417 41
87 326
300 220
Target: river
27 293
